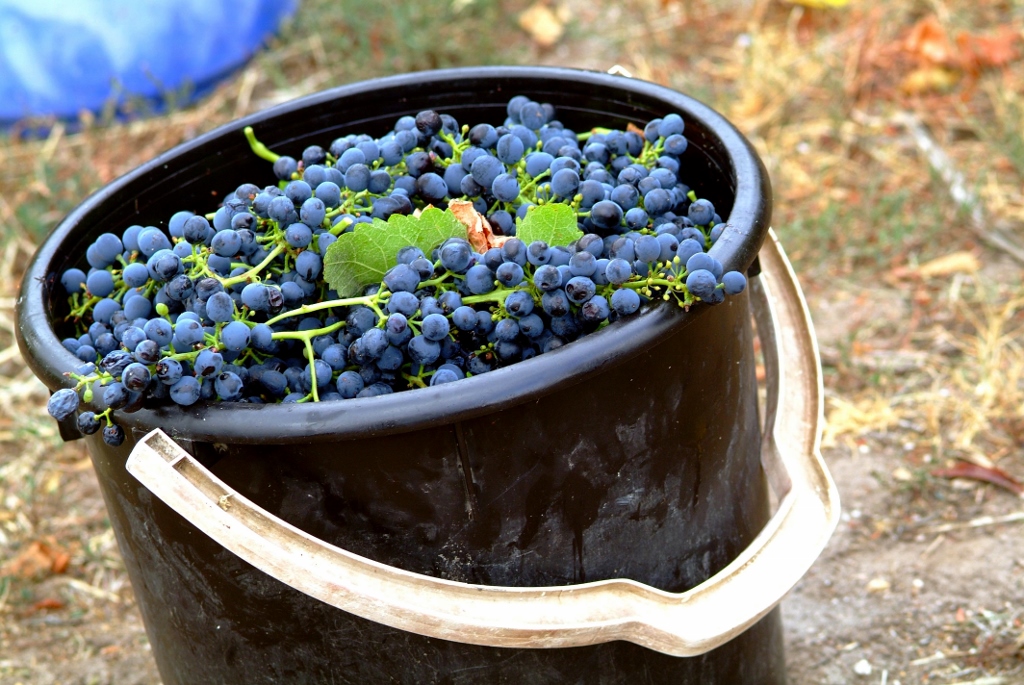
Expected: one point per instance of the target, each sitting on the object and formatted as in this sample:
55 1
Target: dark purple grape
113 435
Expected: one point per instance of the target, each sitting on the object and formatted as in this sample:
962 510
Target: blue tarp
59 57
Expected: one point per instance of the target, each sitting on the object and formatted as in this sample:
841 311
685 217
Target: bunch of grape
233 305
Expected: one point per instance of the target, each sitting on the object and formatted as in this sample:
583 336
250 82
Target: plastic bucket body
634 452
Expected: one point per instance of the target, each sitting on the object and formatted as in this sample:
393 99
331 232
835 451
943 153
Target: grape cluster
233 305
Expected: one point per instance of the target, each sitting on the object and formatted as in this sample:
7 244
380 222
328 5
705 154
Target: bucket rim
406 411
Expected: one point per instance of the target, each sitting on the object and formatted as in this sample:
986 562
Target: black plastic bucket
631 453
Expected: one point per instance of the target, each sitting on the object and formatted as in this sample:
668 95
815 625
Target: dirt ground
907 591
893 132
930 607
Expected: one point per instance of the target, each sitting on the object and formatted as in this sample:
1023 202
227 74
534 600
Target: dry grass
963 393
935 361
821 95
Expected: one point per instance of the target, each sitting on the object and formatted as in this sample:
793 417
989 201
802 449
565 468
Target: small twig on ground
933 546
938 656
92 591
954 180
979 522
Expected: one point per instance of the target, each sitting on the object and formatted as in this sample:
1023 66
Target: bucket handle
679 624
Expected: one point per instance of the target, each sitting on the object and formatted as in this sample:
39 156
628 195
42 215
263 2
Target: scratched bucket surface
631 453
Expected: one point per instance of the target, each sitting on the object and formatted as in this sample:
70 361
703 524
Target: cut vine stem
367 300
258 148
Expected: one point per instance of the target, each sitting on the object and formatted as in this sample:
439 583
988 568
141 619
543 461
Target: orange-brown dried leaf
61 560
997 50
929 42
478 229
38 559
988 474
46 604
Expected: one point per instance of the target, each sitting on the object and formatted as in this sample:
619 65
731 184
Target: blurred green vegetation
367 39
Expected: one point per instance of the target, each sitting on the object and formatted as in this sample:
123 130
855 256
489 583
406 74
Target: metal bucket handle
680 624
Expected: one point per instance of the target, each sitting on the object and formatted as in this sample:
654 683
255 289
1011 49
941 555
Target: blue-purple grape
505 188
606 215
647 248
479 279
519 303
701 212
423 351
618 271
62 404
434 327
579 289
185 392
235 336
625 301
734 282
701 283
456 256
349 384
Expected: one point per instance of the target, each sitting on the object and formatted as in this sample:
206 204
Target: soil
918 608
81 626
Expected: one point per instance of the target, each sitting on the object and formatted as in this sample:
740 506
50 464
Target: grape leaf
362 256
554 223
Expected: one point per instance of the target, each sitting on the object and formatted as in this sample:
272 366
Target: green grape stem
497 295
436 281
585 136
347 206
367 300
85 380
81 310
307 339
251 273
190 355
457 148
312 365
415 380
524 190
258 148
340 227
307 335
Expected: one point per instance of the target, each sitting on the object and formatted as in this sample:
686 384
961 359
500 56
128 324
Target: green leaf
554 223
362 256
